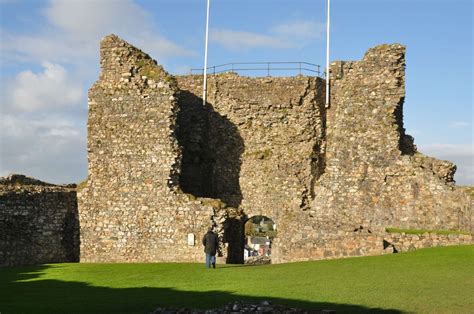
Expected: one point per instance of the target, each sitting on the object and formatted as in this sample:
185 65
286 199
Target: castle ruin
163 167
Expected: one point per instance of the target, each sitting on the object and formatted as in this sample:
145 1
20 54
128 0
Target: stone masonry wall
322 175
400 242
276 125
135 162
163 168
132 209
374 176
38 222
265 157
329 246
162 165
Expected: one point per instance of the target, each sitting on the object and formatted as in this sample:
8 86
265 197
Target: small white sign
191 239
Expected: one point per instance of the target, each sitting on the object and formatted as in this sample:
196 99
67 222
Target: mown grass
81 185
437 280
469 189
422 231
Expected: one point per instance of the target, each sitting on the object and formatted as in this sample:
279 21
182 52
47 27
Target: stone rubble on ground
262 307
258 260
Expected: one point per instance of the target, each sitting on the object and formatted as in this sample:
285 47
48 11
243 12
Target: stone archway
259 233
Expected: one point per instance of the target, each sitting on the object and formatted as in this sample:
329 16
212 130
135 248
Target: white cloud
301 29
246 40
48 89
159 47
42 108
459 124
51 45
463 150
73 30
90 18
462 155
50 148
181 69
286 35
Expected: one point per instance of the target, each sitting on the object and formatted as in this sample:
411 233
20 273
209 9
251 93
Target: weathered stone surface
394 243
373 177
260 142
163 167
258 260
38 222
332 179
244 307
132 208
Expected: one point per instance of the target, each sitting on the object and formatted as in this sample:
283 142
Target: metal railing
268 67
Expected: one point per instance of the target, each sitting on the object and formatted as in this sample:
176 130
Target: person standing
210 242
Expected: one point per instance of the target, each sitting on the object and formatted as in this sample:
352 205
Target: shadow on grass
18 295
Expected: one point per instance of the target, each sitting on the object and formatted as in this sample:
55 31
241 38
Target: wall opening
259 232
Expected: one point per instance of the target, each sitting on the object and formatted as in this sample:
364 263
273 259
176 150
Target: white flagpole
204 92
327 55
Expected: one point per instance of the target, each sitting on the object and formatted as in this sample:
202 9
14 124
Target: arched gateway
259 232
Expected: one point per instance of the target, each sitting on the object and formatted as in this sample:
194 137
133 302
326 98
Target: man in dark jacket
210 243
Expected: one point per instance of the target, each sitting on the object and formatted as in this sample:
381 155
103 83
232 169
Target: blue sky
49 59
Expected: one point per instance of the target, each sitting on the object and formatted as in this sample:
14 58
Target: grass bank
423 231
437 280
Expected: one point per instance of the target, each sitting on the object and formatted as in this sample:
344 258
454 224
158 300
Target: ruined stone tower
163 167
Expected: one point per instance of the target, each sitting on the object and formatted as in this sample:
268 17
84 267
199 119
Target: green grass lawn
423 231
438 280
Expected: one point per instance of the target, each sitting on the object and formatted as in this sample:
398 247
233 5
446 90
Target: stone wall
401 242
132 209
273 129
374 176
260 141
163 165
323 175
330 246
38 222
